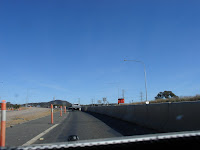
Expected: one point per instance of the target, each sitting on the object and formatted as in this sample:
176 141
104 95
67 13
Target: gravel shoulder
32 113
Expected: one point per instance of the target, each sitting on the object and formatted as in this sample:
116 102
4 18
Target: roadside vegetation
177 99
160 100
169 96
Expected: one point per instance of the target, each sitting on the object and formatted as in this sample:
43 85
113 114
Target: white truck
76 107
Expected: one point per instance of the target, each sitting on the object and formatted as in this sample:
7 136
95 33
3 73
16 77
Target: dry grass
26 114
22 119
178 99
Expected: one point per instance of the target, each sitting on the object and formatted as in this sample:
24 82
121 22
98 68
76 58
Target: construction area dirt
24 115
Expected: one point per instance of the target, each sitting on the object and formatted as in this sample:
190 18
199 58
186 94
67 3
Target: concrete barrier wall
165 117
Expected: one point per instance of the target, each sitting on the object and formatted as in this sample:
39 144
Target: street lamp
144 74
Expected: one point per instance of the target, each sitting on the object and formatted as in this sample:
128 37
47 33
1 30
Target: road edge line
40 135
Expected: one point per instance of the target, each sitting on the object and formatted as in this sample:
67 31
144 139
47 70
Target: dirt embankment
24 115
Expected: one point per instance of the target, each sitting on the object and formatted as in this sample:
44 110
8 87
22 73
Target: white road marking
39 136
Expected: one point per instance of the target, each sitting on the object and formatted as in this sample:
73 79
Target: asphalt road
21 133
85 125
82 124
92 126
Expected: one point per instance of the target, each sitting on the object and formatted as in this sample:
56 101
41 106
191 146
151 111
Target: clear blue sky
74 49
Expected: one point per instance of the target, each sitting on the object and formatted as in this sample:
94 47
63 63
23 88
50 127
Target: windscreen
76 70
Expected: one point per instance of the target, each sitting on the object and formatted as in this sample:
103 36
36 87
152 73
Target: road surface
91 126
21 133
82 124
86 126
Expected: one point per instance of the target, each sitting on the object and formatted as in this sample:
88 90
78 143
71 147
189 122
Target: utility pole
141 96
123 93
27 98
104 100
118 92
79 101
92 101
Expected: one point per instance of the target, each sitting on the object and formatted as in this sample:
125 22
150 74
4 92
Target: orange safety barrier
3 124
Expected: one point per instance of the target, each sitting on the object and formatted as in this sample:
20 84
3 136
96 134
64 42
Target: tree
165 94
16 106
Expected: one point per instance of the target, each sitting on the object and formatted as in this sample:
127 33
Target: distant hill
60 102
48 104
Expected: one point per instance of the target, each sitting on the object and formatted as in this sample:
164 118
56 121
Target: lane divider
51 113
39 136
3 124
33 140
60 111
65 109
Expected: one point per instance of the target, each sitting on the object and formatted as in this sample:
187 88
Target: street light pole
144 74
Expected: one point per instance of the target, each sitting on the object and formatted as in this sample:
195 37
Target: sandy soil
24 115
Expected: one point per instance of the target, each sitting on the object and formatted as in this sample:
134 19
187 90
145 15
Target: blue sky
74 49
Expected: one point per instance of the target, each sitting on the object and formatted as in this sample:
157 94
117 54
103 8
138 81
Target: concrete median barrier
158 115
183 116
164 117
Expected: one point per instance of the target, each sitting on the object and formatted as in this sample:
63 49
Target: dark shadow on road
123 127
